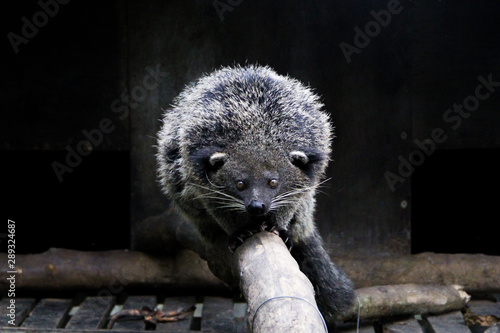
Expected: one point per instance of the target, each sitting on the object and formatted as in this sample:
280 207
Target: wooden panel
49 313
93 313
403 326
217 315
448 322
135 302
173 304
23 307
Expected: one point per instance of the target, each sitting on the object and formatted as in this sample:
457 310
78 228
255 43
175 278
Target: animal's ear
217 159
307 160
206 160
299 158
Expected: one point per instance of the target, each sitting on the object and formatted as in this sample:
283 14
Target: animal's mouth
259 219
238 237
268 220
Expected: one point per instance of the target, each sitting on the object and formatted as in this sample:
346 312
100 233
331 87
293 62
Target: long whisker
215 191
288 198
221 200
210 196
208 180
236 208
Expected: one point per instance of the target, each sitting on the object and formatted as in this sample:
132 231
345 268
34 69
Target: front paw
238 237
283 234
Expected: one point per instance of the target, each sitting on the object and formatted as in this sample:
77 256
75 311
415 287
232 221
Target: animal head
255 183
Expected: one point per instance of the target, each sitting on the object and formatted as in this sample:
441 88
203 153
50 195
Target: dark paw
240 236
283 234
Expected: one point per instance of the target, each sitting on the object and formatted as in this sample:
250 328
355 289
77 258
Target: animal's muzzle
256 208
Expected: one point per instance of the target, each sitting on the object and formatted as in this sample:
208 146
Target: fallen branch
407 299
475 272
109 271
61 269
280 297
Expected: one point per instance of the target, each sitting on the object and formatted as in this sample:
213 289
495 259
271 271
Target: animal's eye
240 185
273 182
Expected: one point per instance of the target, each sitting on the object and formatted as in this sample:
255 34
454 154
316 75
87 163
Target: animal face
255 185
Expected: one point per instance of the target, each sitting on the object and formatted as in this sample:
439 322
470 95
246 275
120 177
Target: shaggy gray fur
245 146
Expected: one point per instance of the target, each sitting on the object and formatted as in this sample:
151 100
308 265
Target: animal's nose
256 208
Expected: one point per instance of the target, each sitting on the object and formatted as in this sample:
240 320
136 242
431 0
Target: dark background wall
83 85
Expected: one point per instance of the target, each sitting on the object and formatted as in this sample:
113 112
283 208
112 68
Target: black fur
200 159
334 293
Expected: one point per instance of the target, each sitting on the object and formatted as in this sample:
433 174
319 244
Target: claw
240 236
232 247
283 234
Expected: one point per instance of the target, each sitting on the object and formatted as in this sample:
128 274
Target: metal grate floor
212 314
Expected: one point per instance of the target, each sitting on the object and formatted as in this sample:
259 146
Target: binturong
244 148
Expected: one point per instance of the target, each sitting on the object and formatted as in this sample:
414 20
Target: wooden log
475 272
280 297
408 299
109 272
